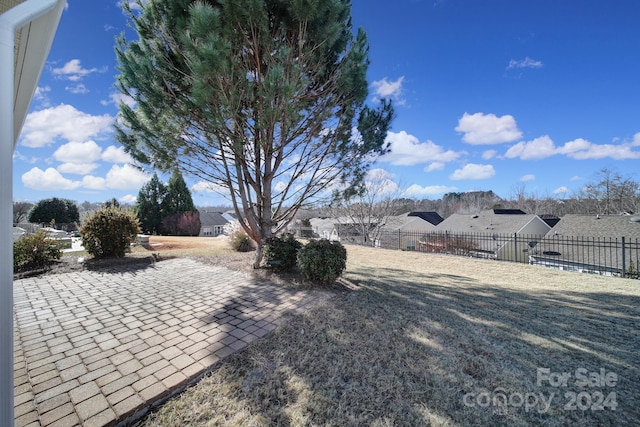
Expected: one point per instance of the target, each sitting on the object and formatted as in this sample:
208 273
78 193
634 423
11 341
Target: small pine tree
150 205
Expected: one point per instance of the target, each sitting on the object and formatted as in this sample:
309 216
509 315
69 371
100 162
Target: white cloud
208 187
77 168
482 128
386 89
43 127
78 152
524 63
489 154
381 181
126 177
129 198
416 190
561 190
473 171
115 154
41 96
94 182
406 150
73 71
579 149
116 98
536 149
378 174
50 179
78 89
576 178
280 186
132 4
435 166
527 178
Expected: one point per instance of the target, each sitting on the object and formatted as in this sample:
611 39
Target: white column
10 22
6 226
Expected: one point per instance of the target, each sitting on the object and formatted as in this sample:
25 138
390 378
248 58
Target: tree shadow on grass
409 349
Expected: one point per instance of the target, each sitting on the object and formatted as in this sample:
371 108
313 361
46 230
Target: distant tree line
169 209
609 194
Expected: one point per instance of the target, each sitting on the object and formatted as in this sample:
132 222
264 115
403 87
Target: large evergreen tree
178 198
150 205
58 211
265 98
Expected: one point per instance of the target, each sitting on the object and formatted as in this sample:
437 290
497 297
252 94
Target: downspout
10 22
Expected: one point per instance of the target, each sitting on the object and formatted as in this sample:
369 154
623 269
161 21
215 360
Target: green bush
240 241
281 252
35 251
322 261
109 232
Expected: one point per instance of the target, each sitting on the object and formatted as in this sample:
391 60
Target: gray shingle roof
597 226
590 242
209 218
485 222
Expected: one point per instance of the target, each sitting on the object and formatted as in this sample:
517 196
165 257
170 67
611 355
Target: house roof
409 222
590 241
486 222
597 226
431 217
211 218
551 220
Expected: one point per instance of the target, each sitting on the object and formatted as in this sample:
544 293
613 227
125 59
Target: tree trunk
258 259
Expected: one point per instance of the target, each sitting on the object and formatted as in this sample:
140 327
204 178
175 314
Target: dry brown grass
418 333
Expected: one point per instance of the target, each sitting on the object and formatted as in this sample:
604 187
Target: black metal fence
615 256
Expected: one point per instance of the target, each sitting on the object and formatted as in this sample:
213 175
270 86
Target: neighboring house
212 224
405 231
591 243
506 234
322 227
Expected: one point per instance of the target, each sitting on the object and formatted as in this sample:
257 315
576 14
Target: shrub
322 261
281 252
109 232
240 241
35 251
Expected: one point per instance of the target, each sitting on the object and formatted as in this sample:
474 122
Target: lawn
423 339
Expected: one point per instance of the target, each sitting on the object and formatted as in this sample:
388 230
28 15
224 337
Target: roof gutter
15 97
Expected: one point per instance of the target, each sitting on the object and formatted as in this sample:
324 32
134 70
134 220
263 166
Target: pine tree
150 205
178 198
260 97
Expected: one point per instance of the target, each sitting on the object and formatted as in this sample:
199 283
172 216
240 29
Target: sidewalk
98 348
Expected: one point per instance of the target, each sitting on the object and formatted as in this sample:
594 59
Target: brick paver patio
98 348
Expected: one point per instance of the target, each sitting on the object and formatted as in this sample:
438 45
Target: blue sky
489 95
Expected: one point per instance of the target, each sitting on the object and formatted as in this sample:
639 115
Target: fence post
515 244
399 238
446 242
624 263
